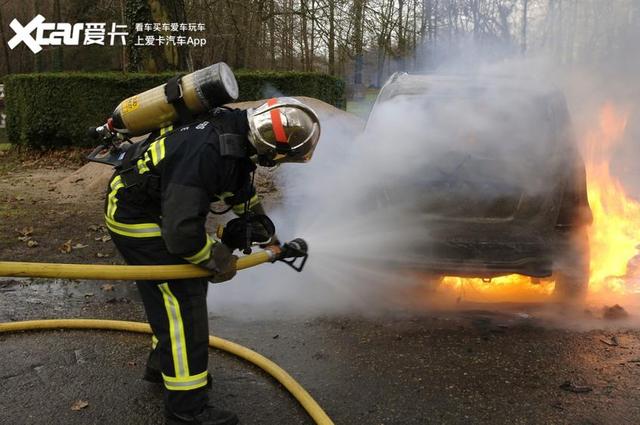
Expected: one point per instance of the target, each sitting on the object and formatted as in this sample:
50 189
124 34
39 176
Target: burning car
494 176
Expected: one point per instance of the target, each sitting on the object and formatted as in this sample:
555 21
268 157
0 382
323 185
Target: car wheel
572 267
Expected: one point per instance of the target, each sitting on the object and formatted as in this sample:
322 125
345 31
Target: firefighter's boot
208 416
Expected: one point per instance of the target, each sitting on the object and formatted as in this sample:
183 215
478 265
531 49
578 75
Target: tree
158 58
358 13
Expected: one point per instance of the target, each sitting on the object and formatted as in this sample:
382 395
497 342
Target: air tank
200 90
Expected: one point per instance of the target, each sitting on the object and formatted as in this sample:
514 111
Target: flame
502 288
613 237
615 232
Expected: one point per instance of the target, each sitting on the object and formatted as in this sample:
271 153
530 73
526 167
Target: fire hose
289 253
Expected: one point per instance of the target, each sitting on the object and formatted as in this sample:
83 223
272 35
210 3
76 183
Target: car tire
571 269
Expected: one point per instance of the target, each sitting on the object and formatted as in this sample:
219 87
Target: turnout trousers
177 313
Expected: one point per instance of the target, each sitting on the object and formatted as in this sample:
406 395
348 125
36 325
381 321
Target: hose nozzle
290 252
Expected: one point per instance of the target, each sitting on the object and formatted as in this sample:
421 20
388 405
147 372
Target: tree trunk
414 36
312 45
162 58
402 54
304 35
5 49
358 7
525 7
58 58
272 33
37 58
332 38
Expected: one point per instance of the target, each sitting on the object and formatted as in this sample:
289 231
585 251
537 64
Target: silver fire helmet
284 130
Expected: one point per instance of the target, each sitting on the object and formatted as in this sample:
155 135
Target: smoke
361 202
484 135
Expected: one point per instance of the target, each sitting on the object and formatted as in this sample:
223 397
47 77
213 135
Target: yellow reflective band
157 151
239 208
225 195
142 166
140 230
202 255
176 332
116 185
186 383
154 342
165 130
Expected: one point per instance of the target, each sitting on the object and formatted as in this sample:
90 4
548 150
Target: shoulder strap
127 169
173 92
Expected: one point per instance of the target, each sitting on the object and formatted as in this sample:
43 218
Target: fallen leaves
97 228
26 235
66 248
79 405
26 231
573 388
612 342
107 287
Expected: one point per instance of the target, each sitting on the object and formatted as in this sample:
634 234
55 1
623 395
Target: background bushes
55 109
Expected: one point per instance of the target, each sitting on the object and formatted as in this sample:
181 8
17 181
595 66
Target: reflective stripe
276 122
166 129
157 151
112 205
239 208
176 332
142 166
202 255
225 195
154 342
185 383
139 230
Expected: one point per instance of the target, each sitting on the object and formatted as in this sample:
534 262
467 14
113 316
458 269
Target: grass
362 107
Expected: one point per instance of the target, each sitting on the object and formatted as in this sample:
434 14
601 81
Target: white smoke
334 202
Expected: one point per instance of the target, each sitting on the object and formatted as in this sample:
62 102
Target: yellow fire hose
304 398
109 272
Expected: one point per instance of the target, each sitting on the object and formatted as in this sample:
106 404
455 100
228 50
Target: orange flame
503 288
615 232
613 237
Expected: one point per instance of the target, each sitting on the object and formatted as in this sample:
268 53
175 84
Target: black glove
236 235
221 262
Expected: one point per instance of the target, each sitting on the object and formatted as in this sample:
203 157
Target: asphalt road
479 366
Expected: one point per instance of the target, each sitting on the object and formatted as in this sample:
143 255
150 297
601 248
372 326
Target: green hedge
55 109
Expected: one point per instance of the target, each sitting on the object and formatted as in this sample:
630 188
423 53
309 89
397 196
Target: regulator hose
304 398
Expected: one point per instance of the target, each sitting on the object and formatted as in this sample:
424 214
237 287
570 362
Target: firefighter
155 210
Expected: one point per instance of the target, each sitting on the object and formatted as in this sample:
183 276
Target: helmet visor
286 131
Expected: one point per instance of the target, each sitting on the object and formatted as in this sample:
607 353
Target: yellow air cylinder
201 90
